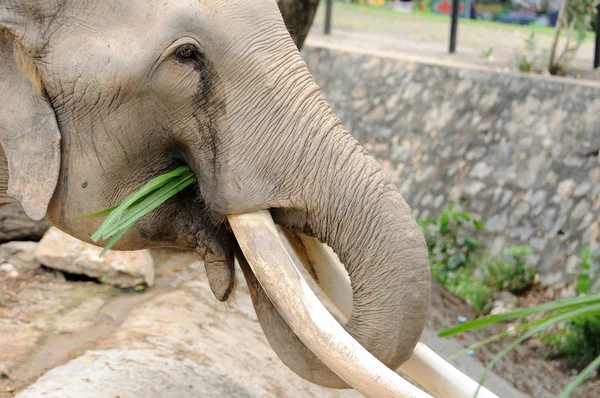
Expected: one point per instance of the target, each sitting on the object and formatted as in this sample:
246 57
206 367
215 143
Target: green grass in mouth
122 217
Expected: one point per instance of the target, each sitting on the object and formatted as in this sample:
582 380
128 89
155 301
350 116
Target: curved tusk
425 367
319 331
441 378
321 263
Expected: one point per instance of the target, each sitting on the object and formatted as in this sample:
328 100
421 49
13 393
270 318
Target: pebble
462 319
498 311
7 267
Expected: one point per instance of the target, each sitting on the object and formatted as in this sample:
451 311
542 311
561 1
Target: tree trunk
553 66
15 225
298 16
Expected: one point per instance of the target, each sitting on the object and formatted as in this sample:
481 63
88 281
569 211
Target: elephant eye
187 53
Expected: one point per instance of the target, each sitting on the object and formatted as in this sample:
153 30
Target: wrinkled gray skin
131 89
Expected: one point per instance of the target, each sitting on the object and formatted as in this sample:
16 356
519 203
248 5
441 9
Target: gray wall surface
522 150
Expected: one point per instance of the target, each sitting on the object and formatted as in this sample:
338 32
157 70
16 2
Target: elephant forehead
103 41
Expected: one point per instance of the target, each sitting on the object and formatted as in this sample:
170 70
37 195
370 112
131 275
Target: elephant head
98 97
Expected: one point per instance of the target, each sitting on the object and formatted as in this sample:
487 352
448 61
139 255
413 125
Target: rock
498 304
506 197
568 292
547 219
474 188
399 154
438 201
518 213
481 170
580 210
507 298
14 224
497 223
181 344
7 267
582 189
498 311
23 255
124 269
537 198
566 188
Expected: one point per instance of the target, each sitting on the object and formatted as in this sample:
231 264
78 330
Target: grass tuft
153 194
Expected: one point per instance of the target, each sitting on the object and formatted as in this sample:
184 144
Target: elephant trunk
351 206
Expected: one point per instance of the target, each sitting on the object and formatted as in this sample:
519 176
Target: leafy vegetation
576 18
531 58
578 340
577 321
457 263
510 272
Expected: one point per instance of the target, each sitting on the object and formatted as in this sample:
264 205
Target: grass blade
100 213
148 204
585 373
498 336
154 193
520 313
112 241
573 313
147 189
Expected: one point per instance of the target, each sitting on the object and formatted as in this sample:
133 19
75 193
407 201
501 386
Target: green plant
509 272
587 273
450 238
463 283
453 252
487 53
553 313
579 339
122 217
576 17
526 61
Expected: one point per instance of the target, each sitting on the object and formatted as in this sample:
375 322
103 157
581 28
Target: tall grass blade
520 313
585 373
498 336
590 310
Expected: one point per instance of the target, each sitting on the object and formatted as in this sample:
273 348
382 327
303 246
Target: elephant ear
29 134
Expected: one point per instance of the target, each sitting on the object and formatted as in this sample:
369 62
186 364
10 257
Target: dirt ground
47 320
427 35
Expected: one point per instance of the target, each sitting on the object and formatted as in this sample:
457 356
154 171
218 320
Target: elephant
99 97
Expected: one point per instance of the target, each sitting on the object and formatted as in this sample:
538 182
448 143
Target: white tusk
319 331
439 377
425 367
322 263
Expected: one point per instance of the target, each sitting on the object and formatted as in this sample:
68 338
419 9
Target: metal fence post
328 17
597 49
454 25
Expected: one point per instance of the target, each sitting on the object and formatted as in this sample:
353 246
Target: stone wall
523 150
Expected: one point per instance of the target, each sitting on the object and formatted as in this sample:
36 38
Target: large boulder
120 268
